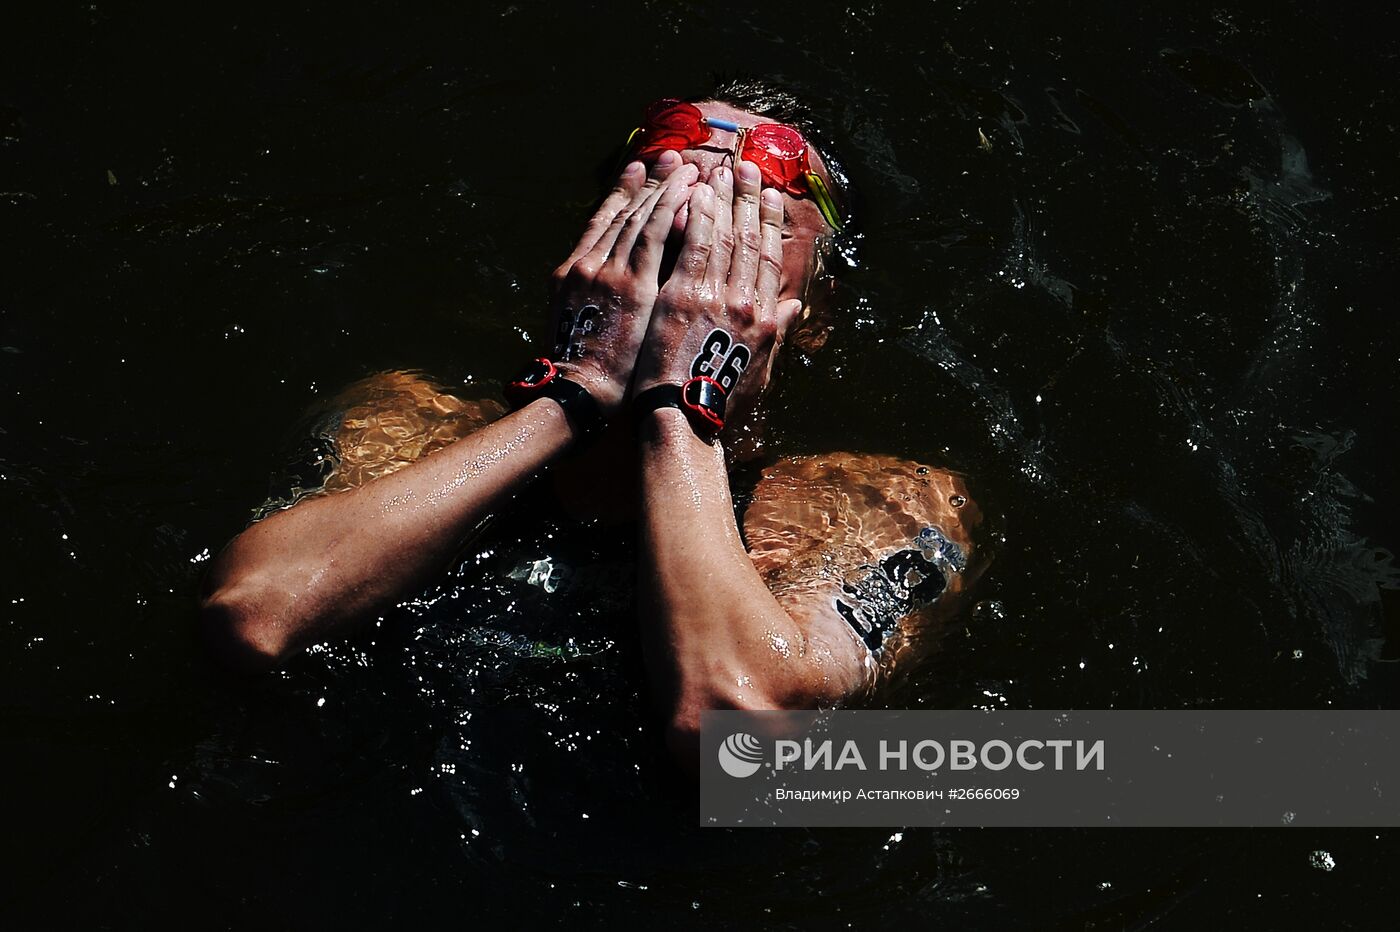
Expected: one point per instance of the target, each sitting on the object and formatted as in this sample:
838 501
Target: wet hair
768 99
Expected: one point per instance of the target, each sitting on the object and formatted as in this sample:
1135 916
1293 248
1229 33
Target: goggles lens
780 153
672 124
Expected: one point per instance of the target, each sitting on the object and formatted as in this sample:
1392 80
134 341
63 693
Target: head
808 239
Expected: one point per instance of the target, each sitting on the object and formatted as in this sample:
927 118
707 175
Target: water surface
1127 270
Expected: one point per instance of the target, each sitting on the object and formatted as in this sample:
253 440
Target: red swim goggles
780 152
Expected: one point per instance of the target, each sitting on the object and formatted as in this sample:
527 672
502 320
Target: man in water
669 313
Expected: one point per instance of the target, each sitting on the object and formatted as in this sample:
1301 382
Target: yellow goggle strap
825 203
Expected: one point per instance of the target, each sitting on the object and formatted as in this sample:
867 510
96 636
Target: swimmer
669 314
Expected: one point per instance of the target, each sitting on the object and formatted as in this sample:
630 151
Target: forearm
715 637
331 559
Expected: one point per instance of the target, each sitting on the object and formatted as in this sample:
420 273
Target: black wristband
542 380
701 399
654 398
579 406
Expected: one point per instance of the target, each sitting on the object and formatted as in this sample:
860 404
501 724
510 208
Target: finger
646 257
682 178
667 163
743 265
629 183
786 316
722 180
770 251
699 237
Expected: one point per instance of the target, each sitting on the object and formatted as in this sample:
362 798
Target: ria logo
741 755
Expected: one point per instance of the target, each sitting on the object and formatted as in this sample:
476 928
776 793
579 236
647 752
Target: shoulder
861 503
888 545
368 429
382 423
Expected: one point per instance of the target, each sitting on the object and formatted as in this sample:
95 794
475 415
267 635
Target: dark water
1151 316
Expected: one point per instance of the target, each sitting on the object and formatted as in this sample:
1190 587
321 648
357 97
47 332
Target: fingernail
669 159
771 198
633 167
748 173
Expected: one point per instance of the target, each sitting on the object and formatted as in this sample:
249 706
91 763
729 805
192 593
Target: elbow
241 628
724 689
683 741
682 734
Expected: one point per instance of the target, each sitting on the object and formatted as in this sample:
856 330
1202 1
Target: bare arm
714 636
300 574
